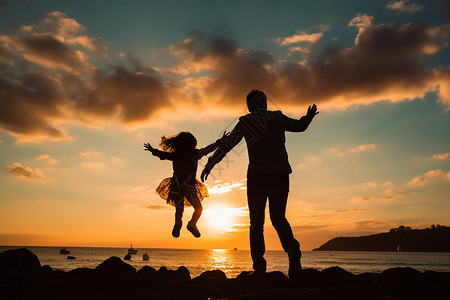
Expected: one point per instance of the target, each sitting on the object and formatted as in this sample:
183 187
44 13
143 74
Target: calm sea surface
232 262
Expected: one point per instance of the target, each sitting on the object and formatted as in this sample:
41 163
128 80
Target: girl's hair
183 141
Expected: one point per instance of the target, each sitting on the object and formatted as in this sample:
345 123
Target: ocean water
233 262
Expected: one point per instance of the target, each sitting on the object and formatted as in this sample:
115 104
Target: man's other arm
302 124
225 144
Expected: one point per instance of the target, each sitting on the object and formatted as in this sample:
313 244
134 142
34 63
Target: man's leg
278 186
257 198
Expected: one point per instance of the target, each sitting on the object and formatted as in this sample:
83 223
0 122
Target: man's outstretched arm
225 144
303 123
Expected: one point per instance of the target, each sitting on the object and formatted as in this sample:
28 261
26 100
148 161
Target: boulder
147 273
310 275
337 275
115 269
19 261
182 273
212 275
395 275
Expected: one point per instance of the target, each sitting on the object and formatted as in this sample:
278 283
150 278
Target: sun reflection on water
222 259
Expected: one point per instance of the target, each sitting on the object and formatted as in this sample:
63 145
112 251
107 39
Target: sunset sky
84 84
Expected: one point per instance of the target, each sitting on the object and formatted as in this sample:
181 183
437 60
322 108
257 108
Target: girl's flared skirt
185 194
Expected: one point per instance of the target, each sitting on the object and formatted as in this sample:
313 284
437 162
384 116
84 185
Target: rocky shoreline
23 277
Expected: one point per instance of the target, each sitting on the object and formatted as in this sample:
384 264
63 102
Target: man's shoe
295 267
176 229
193 229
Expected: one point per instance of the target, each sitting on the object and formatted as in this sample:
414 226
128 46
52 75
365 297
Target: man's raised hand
312 111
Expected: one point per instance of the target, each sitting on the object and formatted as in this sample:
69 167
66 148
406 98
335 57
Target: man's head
256 100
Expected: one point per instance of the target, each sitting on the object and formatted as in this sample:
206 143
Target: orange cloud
404 6
441 156
47 159
91 154
388 195
430 177
300 37
92 165
16 169
358 148
226 187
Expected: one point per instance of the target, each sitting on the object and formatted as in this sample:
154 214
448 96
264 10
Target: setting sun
222 218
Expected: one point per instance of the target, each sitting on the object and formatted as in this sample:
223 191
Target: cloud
60 84
49 52
361 21
92 165
300 37
6 53
388 195
441 156
359 148
116 160
89 154
46 158
57 84
432 176
31 105
65 29
16 169
404 6
387 61
225 187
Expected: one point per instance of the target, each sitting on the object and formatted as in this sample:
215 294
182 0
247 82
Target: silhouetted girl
183 189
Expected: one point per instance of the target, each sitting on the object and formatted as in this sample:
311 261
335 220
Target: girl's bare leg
192 225
198 209
178 222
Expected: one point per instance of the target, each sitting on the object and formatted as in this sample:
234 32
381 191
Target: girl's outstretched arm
155 152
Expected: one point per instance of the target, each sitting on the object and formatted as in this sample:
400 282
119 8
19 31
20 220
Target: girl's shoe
176 229
193 229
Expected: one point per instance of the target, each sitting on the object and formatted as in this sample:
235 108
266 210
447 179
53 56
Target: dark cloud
30 104
134 97
46 50
47 82
33 103
57 84
388 61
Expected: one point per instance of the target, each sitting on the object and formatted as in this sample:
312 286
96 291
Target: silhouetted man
267 174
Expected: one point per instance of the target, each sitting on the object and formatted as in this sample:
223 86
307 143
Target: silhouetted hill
407 240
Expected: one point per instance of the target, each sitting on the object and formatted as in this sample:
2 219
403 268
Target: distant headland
433 239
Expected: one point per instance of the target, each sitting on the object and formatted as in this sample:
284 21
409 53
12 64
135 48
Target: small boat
145 256
71 257
64 251
132 250
127 257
